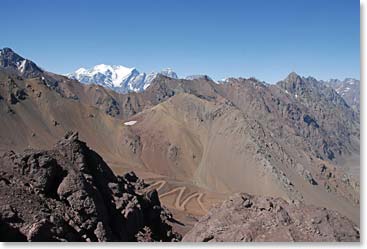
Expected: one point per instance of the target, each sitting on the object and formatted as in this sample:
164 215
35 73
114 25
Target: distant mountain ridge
123 79
118 78
349 89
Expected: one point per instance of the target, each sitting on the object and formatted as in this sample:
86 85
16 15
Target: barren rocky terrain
69 193
264 219
195 141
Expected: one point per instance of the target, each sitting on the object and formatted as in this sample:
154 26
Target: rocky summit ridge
69 193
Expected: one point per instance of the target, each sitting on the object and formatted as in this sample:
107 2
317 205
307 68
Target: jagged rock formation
248 218
69 193
329 110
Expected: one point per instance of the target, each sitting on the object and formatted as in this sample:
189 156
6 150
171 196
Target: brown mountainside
196 140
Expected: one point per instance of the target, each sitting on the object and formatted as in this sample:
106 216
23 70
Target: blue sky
265 39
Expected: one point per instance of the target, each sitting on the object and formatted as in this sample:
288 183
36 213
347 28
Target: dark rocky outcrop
11 60
70 194
246 217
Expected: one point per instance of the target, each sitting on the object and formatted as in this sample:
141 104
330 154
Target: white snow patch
129 123
21 67
146 86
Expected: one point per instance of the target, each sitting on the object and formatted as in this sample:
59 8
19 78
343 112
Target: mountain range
287 145
118 78
123 80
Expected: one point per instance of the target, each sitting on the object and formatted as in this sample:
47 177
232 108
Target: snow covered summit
118 78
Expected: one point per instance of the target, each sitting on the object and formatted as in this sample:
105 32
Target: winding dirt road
179 203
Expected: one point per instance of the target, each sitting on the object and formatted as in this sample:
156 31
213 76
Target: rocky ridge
12 61
248 218
69 193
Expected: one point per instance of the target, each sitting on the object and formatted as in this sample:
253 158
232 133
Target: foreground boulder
253 218
70 194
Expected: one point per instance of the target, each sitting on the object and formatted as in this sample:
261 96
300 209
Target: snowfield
129 123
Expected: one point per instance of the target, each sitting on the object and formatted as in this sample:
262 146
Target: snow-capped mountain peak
169 73
119 78
81 70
